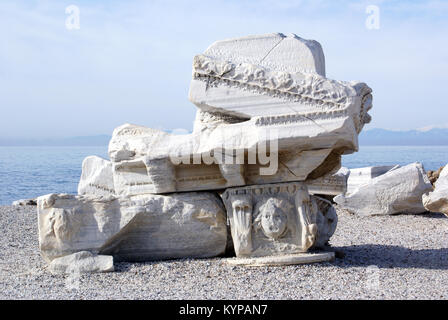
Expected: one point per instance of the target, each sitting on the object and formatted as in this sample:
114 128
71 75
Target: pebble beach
379 257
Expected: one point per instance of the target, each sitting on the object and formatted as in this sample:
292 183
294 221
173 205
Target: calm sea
28 172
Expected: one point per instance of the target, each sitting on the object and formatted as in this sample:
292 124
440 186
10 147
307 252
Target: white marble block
437 200
140 228
277 219
96 177
275 79
151 167
330 184
397 191
275 51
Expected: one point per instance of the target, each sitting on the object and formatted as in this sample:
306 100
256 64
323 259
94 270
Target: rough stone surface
437 200
406 253
397 191
208 120
275 51
96 177
81 262
434 175
139 228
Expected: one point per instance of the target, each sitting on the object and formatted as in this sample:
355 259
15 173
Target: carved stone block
270 127
396 191
276 219
251 92
140 228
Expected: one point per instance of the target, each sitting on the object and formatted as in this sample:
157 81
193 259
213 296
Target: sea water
28 172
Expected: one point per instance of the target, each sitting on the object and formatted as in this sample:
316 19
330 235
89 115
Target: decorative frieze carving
303 87
275 219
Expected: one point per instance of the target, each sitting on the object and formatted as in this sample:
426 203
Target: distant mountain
437 126
99 140
372 137
383 137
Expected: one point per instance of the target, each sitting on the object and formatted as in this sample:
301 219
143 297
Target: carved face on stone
273 218
273 223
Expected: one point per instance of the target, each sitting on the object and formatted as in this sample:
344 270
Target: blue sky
130 61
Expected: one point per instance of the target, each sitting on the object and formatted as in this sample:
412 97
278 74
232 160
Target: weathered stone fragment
360 176
437 200
139 228
330 184
82 262
397 191
96 177
434 175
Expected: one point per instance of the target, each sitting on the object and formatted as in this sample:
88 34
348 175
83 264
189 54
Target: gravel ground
391 257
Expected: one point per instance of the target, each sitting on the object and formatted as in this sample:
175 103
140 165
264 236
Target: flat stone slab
283 260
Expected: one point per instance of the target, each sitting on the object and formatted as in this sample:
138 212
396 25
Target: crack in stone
287 167
271 50
306 118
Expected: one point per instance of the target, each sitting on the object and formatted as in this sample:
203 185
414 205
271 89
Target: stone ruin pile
255 175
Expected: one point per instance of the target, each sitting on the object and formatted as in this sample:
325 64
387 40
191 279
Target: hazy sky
130 61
